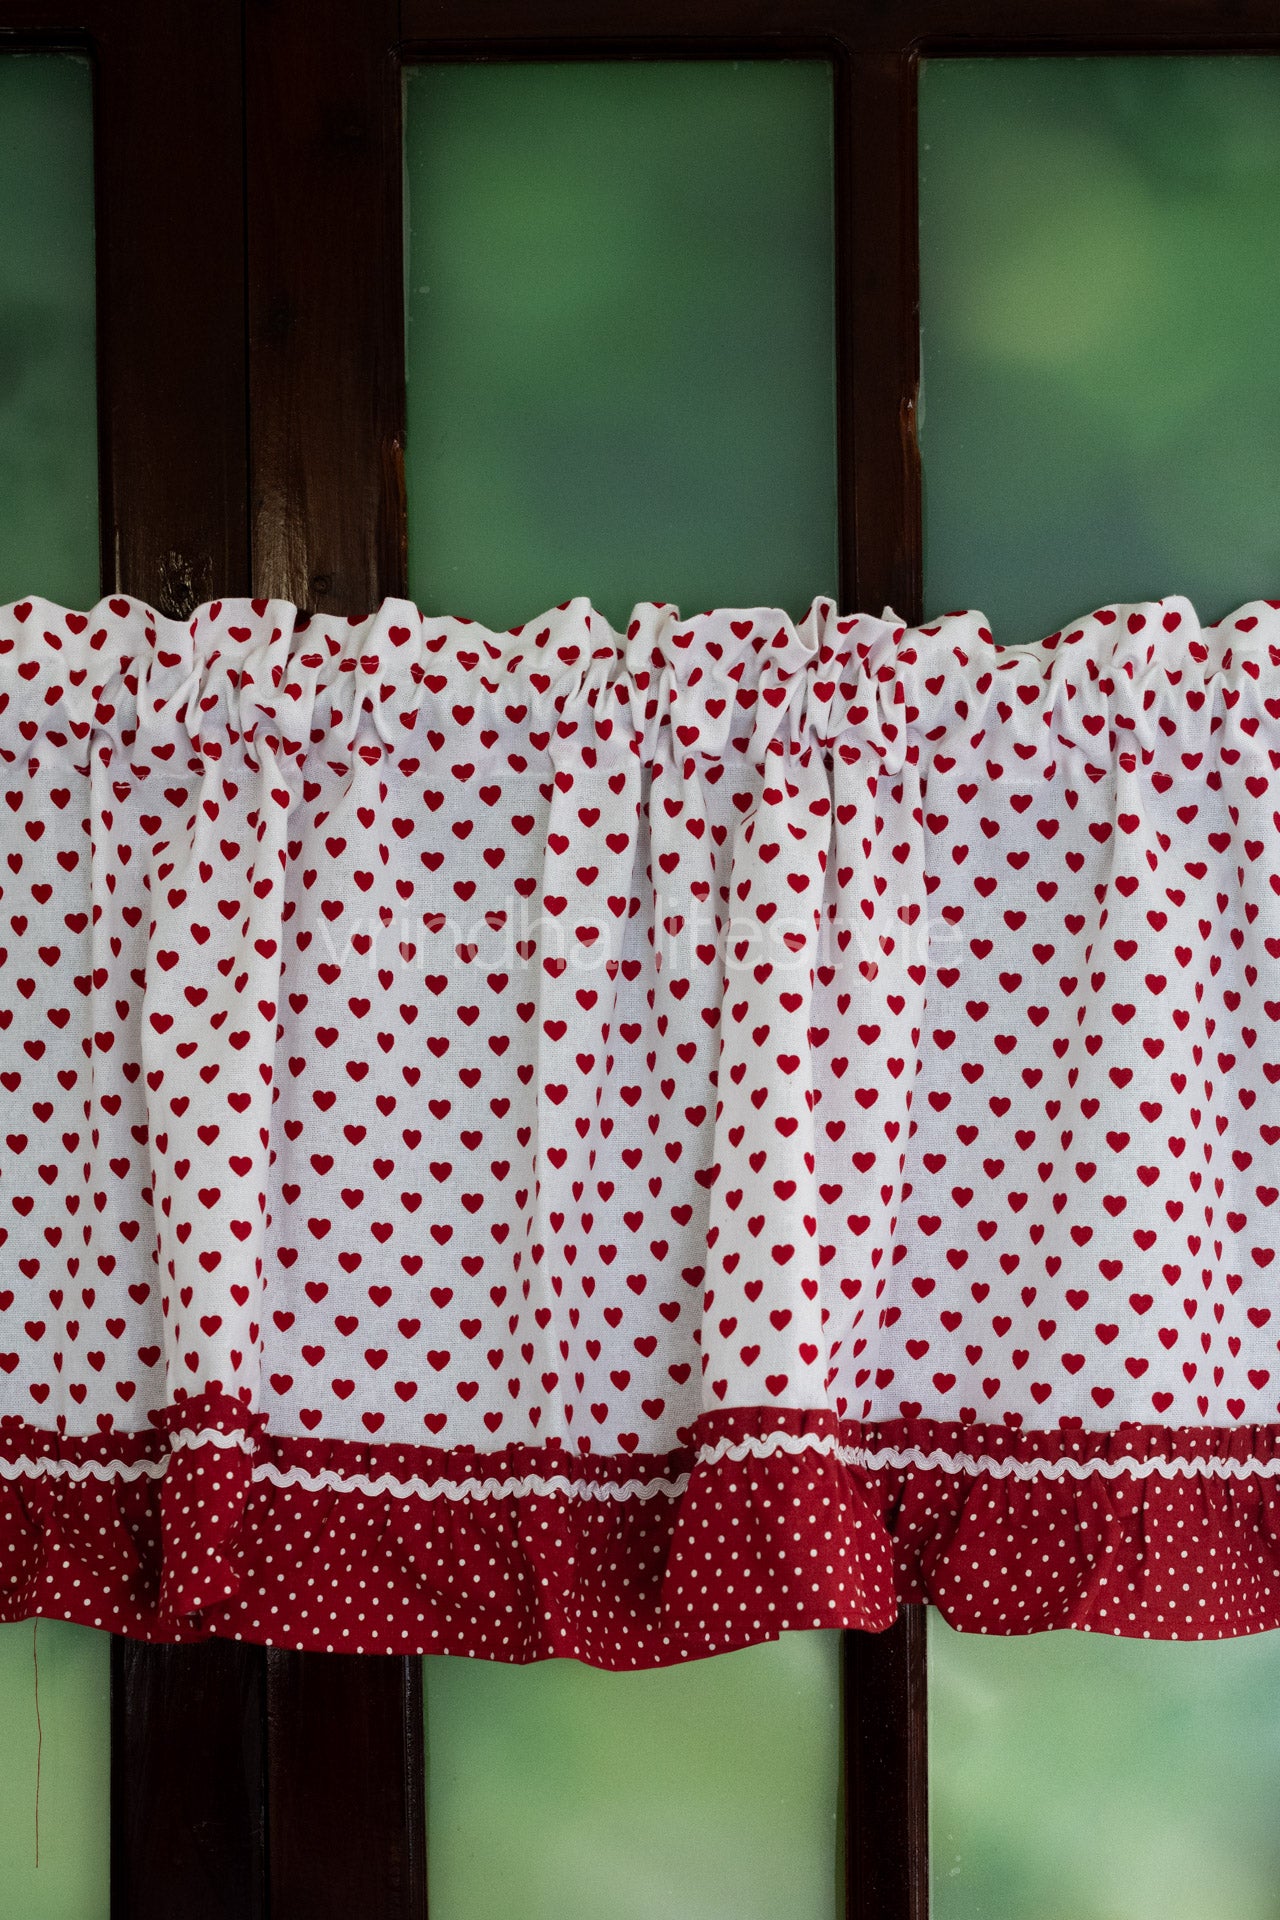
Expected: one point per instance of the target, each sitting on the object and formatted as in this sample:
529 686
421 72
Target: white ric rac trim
529 1486
754 1447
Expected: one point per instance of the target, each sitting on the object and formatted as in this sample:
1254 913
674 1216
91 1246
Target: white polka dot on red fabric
572 1142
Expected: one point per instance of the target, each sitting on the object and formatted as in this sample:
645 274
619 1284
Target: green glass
1080 1777
621 383
621 335
48 391
1100 278
54 1843
703 1792
57 1732
1100 420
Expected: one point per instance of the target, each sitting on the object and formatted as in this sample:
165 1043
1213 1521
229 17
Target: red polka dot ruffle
568 1141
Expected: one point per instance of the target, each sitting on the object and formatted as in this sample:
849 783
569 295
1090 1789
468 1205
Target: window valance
616 1144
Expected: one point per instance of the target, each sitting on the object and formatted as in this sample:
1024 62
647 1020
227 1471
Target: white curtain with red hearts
568 1142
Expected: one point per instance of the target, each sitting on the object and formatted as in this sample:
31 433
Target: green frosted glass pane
620 317
48 397
621 383
703 1792
71 1741
1100 278
1074 1776
49 545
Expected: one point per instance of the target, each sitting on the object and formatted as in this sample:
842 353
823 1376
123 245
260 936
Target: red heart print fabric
569 1142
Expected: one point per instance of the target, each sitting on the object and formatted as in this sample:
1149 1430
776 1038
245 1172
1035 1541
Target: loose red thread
35 1664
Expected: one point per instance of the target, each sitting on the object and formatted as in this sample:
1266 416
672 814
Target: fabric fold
215 872
618 1143
762 1328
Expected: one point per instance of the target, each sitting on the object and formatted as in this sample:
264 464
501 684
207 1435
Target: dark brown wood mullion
169 152
188 1791
346 1787
976 26
878 281
346 1804
326 302
886 1828
187 1724
886 1819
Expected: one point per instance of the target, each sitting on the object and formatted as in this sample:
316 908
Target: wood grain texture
889 25
878 366
325 302
187 1757
346 1793
346 1790
171 354
187 1782
884 1723
886 1818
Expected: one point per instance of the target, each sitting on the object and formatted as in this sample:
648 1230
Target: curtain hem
767 1521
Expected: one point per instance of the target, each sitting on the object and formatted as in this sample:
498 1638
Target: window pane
621 383
704 1792
621 342
1075 1776
1100 269
49 544
620 346
1100 277
48 393
56 1733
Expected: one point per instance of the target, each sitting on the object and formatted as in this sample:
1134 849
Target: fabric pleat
617 1143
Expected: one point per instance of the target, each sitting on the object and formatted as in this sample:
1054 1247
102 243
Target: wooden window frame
251 407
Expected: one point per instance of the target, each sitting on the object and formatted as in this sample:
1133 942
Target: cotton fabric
617 1144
